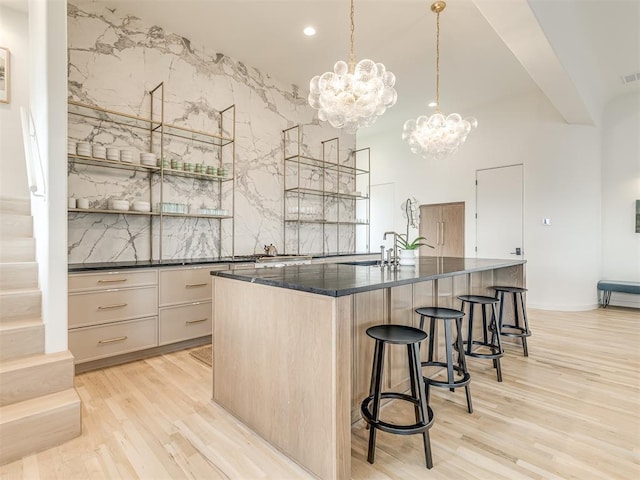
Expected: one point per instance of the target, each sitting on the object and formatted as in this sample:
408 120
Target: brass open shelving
352 204
157 130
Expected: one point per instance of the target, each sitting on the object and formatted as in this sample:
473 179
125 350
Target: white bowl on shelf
148 157
118 204
141 206
113 154
99 151
126 156
148 162
84 149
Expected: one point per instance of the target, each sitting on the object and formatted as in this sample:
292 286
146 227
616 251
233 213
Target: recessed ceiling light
432 104
309 31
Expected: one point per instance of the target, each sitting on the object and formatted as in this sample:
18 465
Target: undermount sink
364 263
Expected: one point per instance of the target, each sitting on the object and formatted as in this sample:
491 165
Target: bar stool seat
490 345
448 316
370 407
516 329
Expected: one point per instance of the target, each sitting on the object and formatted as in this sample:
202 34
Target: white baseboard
564 308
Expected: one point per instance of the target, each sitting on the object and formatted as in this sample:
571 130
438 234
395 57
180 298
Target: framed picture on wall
4 75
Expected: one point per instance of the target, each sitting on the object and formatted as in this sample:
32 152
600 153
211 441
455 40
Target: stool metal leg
470 331
422 411
448 349
495 339
526 326
501 310
485 337
462 362
378 362
413 378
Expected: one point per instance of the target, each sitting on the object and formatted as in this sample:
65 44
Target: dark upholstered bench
608 286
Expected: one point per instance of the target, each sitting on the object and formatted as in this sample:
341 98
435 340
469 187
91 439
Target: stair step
16 226
20 304
21 338
35 376
18 276
15 206
17 250
38 424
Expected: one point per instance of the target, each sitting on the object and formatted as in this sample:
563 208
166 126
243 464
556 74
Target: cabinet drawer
185 322
92 343
111 279
112 305
186 284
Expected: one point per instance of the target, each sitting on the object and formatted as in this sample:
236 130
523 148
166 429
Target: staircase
39 408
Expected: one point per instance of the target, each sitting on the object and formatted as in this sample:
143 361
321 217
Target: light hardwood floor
569 410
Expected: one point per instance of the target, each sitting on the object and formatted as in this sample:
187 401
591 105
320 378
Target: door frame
522 209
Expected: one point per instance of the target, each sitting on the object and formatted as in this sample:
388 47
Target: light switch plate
546 221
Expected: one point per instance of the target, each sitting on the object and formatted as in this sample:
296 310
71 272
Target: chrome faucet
395 247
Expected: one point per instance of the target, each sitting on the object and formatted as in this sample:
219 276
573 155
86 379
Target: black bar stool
489 347
411 337
521 330
447 315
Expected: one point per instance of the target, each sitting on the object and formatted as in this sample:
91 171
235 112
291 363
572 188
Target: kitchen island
291 359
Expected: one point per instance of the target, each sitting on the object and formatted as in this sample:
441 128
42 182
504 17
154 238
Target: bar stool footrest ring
496 352
523 331
463 382
418 427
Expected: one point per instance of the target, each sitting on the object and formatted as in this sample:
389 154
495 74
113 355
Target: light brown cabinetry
118 312
112 313
185 303
443 226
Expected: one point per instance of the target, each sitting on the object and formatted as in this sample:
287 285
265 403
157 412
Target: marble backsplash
114 61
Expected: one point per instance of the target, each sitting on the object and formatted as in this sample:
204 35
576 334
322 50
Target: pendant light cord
352 55
437 61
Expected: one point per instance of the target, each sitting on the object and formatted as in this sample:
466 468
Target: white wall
14 35
48 100
620 190
562 181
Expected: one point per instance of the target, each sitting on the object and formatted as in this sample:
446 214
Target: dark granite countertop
337 279
87 267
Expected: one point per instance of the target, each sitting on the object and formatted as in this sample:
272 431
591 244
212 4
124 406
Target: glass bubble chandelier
353 95
437 136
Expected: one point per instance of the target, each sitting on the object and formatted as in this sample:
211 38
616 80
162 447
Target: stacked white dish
99 151
84 149
118 204
126 156
113 154
149 159
141 206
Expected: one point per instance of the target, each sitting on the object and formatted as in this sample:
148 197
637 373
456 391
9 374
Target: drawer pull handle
192 285
111 340
113 280
196 321
107 307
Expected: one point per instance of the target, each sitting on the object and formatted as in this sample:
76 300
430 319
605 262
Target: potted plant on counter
408 250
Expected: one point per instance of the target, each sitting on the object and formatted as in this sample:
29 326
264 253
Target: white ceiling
575 51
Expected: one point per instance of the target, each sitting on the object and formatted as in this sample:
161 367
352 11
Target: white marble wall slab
114 60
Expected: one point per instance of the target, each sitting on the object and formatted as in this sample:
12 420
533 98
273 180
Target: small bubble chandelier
437 136
353 95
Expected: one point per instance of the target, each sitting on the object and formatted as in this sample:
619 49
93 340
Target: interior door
452 230
500 212
430 229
